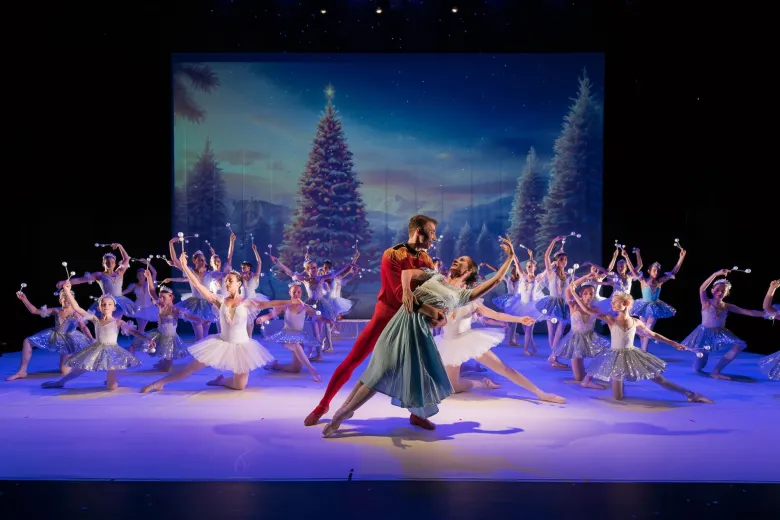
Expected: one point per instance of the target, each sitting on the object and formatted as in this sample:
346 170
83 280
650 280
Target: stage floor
193 432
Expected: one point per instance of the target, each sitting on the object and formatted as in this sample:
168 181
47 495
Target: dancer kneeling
232 349
459 343
405 364
625 362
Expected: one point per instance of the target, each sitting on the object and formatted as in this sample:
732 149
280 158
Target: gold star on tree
330 91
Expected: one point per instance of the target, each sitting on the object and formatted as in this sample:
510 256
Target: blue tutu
551 307
770 365
652 309
577 345
59 342
292 336
626 364
513 305
201 308
718 339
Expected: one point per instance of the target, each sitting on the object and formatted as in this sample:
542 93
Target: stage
190 431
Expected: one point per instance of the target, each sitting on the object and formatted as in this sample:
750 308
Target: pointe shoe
334 424
315 416
425 424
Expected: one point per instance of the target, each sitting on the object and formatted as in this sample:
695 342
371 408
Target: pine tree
486 246
445 248
527 206
331 214
402 235
206 213
463 246
573 201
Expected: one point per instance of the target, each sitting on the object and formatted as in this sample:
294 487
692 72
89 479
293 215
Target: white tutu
470 345
239 358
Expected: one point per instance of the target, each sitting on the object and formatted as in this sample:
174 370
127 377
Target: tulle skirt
239 358
407 367
292 336
124 305
251 312
101 357
167 346
652 309
770 365
326 308
341 306
59 342
470 345
513 305
551 307
719 340
201 308
626 364
577 345
148 313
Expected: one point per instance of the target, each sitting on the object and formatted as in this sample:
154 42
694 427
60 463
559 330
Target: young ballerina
460 343
230 350
406 364
329 305
770 365
553 308
63 339
623 361
169 345
621 280
197 304
650 309
110 280
104 355
582 341
251 282
341 305
713 332
292 335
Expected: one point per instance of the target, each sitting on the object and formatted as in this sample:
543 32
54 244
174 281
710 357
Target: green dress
406 364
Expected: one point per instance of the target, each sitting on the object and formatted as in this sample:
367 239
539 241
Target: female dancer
110 282
63 339
251 281
147 310
512 281
582 341
460 343
770 365
553 308
232 349
331 307
650 309
406 364
196 305
104 355
169 345
623 361
621 280
523 303
292 335
216 277
713 332
340 304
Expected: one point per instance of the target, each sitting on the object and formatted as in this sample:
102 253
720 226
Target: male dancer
411 255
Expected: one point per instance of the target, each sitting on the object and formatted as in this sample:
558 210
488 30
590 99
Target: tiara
109 255
198 252
165 289
722 281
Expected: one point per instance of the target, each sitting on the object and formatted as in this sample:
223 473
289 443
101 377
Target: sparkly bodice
622 338
555 285
294 320
459 322
624 286
110 284
214 281
167 325
232 321
512 287
650 294
250 286
714 318
195 292
321 289
435 291
142 296
580 326
107 333
528 290
63 325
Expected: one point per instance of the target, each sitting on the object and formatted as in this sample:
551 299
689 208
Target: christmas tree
331 216
206 213
486 246
200 77
574 198
527 206
445 248
463 246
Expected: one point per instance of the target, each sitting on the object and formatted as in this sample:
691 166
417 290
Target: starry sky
424 121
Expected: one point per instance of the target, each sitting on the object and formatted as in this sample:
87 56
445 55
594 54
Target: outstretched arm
259 261
262 304
231 249
639 263
501 317
745 312
654 335
30 307
676 268
174 258
488 285
130 288
72 300
283 267
634 272
87 278
614 259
